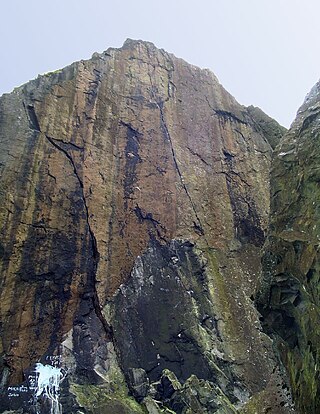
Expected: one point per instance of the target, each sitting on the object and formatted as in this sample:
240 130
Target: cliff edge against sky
134 209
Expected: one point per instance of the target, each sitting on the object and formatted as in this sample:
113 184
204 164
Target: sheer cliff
134 206
290 294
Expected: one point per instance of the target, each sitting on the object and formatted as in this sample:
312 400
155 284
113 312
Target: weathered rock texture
290 294
271 129
134 204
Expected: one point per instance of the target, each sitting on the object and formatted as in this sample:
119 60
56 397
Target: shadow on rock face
162 322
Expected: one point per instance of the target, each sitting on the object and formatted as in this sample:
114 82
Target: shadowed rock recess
134 207
290 295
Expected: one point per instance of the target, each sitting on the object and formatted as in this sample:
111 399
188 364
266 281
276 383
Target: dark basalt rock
154 311
138 383
134 202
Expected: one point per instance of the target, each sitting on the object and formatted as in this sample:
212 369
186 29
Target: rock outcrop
289 299
134 206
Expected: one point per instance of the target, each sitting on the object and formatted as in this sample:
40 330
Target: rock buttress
134 204
290 293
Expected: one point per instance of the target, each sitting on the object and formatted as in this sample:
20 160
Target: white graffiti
48 379
42 382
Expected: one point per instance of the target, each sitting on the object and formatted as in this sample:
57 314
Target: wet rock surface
134 204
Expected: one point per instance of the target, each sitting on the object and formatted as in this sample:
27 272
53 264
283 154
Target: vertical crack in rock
132 160
175 306
95 253
247 223
159 102
53 141
198 226
32 117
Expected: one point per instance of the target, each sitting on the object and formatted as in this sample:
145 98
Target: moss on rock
98 400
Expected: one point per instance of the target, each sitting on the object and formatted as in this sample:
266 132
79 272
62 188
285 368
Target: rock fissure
68 145
145 216
132 160
199 156
197 225
241 134
226 115
95 253
40 226
32 116
231 173
124 163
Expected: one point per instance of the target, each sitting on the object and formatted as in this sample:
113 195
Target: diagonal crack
95 252
70 145
35 126
196 154
231 173
226 115
155 223
92 236
197 225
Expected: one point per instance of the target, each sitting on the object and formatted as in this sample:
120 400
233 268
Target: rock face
271 129
134 205
290 294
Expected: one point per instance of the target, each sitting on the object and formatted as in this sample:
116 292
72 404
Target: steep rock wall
134 204
290 293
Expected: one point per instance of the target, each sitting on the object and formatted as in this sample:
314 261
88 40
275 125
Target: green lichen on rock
98 400
290 295
271 129
133 205
200 342
153 407
201 397
53 72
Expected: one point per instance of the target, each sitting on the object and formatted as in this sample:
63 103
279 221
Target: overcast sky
264 52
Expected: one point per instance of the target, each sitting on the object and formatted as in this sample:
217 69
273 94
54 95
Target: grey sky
264 52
